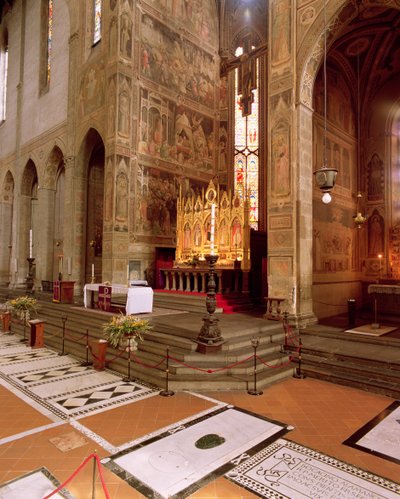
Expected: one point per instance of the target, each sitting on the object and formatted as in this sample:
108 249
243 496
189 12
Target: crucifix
247 77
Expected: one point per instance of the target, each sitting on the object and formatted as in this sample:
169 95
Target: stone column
44 236
118 145
289 173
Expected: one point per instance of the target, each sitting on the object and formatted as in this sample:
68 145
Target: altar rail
193 280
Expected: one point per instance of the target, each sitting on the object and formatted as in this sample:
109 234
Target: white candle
69 265
92 269
30 243
60 264
127 272
212 228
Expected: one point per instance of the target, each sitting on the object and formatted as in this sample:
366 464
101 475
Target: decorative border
62 492
353 439
149 492
237 475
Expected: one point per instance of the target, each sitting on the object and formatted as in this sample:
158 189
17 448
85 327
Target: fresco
197 16
175 133
333 239
156 195
171 61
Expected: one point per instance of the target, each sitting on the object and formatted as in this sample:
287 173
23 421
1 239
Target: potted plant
23 307
125 331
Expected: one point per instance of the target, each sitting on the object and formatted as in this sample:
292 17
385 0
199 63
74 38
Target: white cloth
119 289
140 301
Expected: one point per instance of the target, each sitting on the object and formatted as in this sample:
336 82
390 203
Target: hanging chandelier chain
325 162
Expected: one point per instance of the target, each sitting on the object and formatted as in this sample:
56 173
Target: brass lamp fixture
325 176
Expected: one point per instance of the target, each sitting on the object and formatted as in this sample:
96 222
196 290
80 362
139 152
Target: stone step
173 332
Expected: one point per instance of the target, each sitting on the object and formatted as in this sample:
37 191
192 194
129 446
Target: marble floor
54 414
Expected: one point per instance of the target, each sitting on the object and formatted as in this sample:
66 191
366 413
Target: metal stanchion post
285 325
64 320
297 371
167 392
255 342
128 377
94 478
87 363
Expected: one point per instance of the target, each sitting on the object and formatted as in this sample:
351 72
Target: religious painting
113 37
125 37
156 193
333 239
170 60
175 133
91 92
199 17
121 200
111 105
124 107
375 178
280 164
281 32
236 233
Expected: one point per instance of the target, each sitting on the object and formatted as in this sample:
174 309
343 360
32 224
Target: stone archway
89 214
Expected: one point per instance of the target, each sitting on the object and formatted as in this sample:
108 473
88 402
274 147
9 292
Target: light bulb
326 198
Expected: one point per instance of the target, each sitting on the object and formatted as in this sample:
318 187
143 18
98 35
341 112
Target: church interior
229 172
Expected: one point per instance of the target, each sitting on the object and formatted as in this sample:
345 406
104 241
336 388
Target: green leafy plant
23 307
122 327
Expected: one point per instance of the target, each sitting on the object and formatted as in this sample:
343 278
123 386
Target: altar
388 297
139 298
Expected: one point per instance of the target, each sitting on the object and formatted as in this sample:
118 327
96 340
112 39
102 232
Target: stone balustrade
194 280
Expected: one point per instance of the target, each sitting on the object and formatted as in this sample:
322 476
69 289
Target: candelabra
210 339
29 277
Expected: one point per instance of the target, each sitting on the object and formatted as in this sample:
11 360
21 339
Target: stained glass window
49 37
3 79
246 159
97 21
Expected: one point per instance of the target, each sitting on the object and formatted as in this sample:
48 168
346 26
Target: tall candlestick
30 243
212 228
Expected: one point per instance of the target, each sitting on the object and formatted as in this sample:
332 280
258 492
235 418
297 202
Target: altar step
371 364
196 302
188 369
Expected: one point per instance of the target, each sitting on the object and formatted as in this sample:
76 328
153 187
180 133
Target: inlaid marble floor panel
381 435
285 469
61 385
35 485
173 463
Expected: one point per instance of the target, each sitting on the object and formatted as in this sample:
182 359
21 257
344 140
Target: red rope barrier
80 467
71 336
121 353
137 361
212 371
103 483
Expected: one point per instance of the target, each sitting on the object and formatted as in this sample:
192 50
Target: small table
271 313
